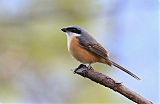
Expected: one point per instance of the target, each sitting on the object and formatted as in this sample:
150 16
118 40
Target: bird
84 48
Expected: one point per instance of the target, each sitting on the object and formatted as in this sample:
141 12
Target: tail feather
125 70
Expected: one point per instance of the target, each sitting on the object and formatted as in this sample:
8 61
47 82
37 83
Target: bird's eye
74 30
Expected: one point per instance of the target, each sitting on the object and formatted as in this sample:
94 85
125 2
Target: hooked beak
64 29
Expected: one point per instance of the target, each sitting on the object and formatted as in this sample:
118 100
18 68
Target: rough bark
110 83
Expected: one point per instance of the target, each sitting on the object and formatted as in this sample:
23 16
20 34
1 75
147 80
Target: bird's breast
80 53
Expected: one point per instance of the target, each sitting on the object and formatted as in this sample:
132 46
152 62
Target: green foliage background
35 66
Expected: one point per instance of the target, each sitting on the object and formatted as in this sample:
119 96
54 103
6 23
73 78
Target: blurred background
36 68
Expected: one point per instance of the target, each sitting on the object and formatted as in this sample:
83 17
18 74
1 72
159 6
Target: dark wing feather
93 46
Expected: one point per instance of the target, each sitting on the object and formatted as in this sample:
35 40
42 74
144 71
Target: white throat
70 35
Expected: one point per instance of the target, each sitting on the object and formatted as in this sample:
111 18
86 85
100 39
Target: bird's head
73 30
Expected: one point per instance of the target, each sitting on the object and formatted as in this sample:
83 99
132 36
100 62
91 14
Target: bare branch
109 82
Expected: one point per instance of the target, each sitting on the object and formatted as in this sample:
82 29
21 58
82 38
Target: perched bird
87 50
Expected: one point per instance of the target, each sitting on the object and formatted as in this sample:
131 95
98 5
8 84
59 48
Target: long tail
125 70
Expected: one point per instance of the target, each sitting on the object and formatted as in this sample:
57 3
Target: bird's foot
89 67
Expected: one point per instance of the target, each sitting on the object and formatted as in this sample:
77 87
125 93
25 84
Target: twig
109 82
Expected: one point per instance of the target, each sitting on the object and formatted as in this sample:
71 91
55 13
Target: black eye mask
74 30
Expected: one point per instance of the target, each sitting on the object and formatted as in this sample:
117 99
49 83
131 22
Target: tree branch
109 82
